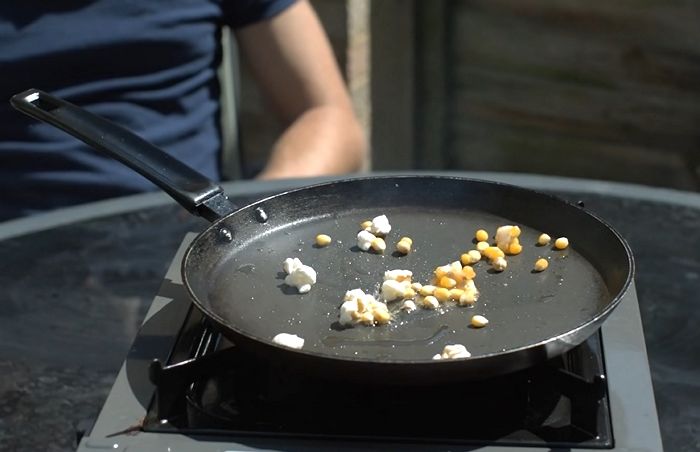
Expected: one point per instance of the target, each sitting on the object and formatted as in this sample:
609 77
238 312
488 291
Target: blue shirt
147 65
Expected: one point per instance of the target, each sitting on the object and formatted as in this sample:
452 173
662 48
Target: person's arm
291 59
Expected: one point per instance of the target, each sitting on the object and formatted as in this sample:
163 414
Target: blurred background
602 90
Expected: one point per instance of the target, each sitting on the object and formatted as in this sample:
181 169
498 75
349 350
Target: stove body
211 397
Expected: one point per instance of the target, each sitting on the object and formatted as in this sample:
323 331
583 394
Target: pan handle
189 188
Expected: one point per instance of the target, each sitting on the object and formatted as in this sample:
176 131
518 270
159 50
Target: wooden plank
602 85
431 85
392 84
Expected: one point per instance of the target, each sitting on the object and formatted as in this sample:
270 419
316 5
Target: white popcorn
348 312
430 302
299 275
289 340
392 289
365 239
453 351
353 294
289 264
380 225
360 307
408 306
398 275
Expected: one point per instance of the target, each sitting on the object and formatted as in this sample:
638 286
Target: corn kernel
541 264
515 247
493 252
416 286
442 294
381 317
455 294
481 246
441 271
561 243
366 225
468 272
479 321
499 264
447 282
543 239
323 240
409 293
407 239
430 302
468 297
427 290
481 235
378 244
404 246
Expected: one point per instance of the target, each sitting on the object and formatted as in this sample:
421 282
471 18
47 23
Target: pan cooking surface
523 307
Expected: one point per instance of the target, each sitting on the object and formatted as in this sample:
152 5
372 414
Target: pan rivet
225 234
580 204
260 215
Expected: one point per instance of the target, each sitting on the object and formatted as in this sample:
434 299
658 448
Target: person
152 67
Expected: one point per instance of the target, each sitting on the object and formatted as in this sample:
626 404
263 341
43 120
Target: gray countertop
77 283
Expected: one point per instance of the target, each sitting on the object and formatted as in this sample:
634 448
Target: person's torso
148 65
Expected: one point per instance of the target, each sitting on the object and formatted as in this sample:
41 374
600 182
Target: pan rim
593 322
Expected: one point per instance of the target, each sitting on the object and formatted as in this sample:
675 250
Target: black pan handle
189 188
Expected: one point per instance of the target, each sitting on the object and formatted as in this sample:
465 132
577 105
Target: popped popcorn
360 307
365 239
289 340
380 225
453 351
299 275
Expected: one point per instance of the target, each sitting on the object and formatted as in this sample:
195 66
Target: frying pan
233 270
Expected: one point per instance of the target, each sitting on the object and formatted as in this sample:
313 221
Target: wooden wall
607 90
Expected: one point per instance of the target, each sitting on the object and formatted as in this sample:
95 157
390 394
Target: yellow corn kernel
447 282
323 240
408 239
442 294
479 321
515 247
481 246
404 246
543 239
378 244
561 243
427 290
366 225
366 318
493 252
381 317
481 235
430 302
499 264
441 271
455 294
541 264
416 286
470 257
468 297
468 272
409 293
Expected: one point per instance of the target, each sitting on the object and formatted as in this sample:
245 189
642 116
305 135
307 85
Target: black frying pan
233 270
